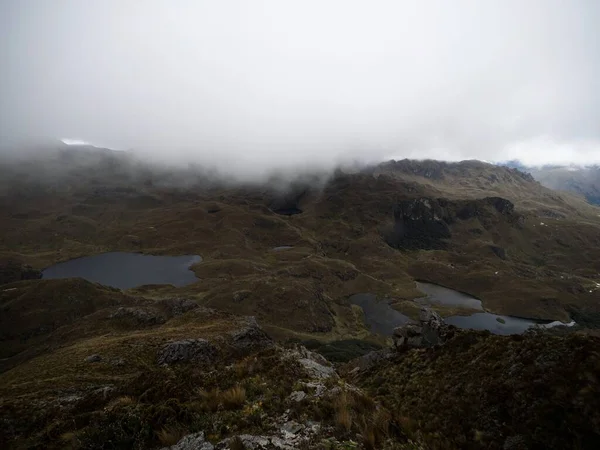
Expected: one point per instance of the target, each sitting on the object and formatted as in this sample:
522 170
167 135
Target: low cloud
252 86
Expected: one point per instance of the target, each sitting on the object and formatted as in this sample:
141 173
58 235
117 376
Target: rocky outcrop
189 350
418 224
251 337
291 435
502 205
424 223
194 441
314 364
138 315
177 306
430 331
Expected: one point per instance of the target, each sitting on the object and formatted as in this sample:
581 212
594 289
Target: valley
329 262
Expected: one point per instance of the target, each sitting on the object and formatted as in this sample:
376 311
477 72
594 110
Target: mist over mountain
245 87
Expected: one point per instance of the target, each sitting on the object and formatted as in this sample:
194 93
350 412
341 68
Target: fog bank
252 86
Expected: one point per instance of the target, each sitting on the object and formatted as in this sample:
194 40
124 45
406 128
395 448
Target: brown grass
343 418
236 444
343 410
234 397
171 435
210 399
369 439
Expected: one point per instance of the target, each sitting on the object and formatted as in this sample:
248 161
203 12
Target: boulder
93 358
189 350
194 441
430 331
251 338
315 365
409 335
297 396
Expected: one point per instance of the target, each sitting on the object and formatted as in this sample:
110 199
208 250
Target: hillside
489 231
83 363
583 181
482 391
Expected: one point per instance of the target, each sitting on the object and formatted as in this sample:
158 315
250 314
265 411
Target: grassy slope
481 391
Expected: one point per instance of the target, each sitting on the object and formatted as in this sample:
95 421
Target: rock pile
430 331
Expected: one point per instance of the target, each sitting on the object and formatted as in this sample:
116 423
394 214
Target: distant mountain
515 164
581 180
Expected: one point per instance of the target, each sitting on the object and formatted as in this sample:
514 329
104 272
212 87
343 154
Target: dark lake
127 270
380 317
488 321
443 296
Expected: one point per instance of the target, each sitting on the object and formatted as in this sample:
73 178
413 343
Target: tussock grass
236 444
233 398
171 435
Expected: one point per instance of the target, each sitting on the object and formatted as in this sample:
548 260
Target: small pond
492 322
441 295
127 270
281 248
500 324
380 317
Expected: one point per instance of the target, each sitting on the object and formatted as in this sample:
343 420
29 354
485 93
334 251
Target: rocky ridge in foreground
206 379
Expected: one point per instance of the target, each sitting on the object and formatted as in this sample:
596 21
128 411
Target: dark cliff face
419 224
424 223
482 208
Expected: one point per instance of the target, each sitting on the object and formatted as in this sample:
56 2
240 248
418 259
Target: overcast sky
269 83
